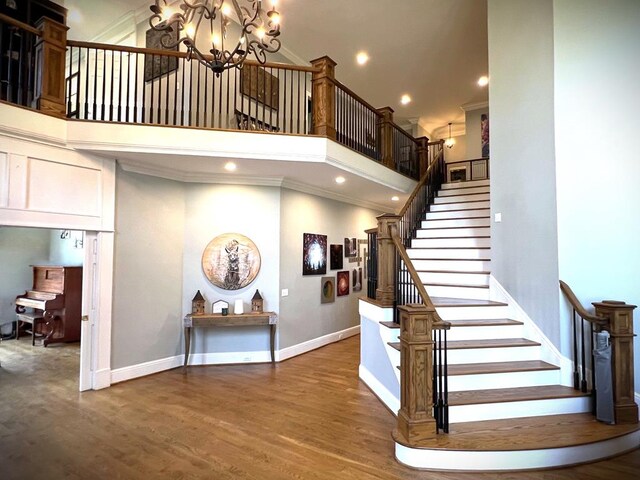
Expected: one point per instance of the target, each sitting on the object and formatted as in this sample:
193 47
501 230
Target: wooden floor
306 418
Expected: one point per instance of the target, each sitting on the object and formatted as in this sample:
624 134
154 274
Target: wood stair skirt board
521 444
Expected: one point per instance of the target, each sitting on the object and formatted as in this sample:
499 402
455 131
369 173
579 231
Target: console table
269 319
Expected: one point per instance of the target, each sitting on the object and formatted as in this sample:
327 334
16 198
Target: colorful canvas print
335 257
314 254
328 290
343 283
484 134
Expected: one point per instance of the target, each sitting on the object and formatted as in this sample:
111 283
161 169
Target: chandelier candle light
259 29
450 142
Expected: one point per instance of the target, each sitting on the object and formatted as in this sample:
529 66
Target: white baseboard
147 368
385 396
220 358
309 345
101 379
549 352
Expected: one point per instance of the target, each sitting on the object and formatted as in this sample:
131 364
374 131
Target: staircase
507 389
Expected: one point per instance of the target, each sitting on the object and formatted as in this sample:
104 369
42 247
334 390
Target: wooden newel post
385 293
620 316
50 67
324 97
415 418
386 134
423 154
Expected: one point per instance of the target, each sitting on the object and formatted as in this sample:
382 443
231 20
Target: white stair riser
461 198
450 242
453 277
499 354
454 232
479 212
389 334
458 292
467 253
456 222
453 265
529 408
488 332
472 183
490 381
460 206
469 313
462 191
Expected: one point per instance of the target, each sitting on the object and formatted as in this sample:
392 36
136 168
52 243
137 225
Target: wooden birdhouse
257 303
197 304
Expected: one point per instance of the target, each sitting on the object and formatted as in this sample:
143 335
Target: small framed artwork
314 254
343 283
328 290
357 279
335 257
350 247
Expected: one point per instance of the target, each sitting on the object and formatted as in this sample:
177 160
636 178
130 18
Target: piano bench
31 318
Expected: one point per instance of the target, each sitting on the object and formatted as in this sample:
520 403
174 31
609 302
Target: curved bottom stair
522 444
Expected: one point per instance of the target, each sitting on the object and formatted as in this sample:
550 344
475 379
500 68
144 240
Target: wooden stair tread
452 238
528 433
395 345
521 394
484 322
460 210
464 302
438 284
390 324
451 228
473 193
459 201
493 343
500 367
456 218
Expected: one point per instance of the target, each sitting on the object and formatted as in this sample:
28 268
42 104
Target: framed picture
314 254
328 290
335 257
343 283
259 85
245 122
231 261
158 65
357 279
350 247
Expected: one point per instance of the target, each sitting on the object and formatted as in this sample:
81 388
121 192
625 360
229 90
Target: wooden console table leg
273 338
187 344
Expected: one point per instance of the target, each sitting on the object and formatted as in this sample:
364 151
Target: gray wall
63 251
596 113
19 249
302 316
147 297
523 184
212 210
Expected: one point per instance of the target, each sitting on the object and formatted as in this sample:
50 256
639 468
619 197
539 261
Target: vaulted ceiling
433 50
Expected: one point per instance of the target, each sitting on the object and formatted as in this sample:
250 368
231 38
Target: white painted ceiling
434 50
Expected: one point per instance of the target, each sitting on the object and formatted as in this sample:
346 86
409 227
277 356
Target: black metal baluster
184 68
166 95
220 97
135 95
152 82
583 382
120 90
113 68
190 106
228 113
176 87
576 377
159 100
284 112
128 84
198 96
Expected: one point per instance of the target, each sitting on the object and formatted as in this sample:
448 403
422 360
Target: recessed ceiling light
362 58
405 99
340 180
230 166
395 198
483 81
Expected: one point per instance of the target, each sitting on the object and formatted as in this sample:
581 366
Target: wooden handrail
577 306
439 324
350 92
403 132
421 182
173 53
17 23
467 161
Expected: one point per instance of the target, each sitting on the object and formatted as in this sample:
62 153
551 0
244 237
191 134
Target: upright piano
53 307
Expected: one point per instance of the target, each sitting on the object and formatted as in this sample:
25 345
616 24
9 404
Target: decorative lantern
197 304
257 303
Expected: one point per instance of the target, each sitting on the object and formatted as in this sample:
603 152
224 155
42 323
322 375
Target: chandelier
450 142
197 23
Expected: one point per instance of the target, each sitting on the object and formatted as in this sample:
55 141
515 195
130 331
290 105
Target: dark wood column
386 134
620 316
385 293
423 154
50 67
324 98
415 418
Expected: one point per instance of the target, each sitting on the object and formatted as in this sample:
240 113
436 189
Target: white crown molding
319 192
469 107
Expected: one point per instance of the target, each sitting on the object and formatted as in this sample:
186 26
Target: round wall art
231 261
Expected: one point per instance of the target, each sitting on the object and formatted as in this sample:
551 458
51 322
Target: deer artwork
232 277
